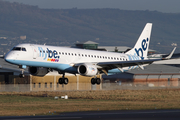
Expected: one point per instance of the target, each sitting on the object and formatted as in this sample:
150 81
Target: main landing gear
63 80
95 81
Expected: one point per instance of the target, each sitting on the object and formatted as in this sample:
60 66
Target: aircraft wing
105 66
121 64
139 63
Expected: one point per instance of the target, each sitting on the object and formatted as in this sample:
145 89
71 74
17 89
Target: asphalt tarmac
107 115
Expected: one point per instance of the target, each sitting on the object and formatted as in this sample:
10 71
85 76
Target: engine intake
37 71
87 70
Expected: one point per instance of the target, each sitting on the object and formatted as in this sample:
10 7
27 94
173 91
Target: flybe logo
49 55
144 46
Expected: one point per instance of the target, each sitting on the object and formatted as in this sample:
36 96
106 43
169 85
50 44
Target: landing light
72 64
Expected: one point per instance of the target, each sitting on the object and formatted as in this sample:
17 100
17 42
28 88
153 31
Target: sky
165 6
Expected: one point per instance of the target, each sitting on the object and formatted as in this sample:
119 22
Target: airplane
41 59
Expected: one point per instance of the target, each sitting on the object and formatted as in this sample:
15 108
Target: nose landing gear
22 67
22 74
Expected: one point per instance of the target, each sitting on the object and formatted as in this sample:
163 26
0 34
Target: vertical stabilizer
142 45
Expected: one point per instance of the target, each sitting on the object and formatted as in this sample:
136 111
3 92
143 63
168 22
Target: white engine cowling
87 70
37 71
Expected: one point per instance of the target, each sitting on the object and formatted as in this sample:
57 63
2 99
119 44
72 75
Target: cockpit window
23 49
19 49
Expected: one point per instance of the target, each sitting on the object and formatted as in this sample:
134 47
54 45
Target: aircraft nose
8 57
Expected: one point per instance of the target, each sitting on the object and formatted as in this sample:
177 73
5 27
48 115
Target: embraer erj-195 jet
42 59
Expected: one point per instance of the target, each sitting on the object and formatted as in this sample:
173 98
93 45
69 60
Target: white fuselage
62 58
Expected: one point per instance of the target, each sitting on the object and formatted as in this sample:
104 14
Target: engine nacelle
87 70
37 71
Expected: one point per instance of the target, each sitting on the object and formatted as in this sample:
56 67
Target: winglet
170 55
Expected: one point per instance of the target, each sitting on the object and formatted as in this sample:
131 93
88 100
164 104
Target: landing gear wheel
98 81
65 81
21 75
93 81
60 80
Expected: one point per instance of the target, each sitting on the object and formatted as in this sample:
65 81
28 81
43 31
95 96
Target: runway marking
125 113
81 114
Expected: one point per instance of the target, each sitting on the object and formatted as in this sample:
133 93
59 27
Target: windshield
19 49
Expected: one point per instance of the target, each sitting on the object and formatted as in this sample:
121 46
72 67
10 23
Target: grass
33 103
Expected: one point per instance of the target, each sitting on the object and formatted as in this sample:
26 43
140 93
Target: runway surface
108 115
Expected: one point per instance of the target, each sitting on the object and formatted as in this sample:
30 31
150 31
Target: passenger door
35 52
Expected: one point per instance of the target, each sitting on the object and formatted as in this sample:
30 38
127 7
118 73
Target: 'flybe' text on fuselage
49 55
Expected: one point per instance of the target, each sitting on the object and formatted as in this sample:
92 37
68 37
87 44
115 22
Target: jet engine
87 70
38 71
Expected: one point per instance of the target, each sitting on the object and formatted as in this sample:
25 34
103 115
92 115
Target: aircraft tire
98 81
21 75
65 81
60 80
93 81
